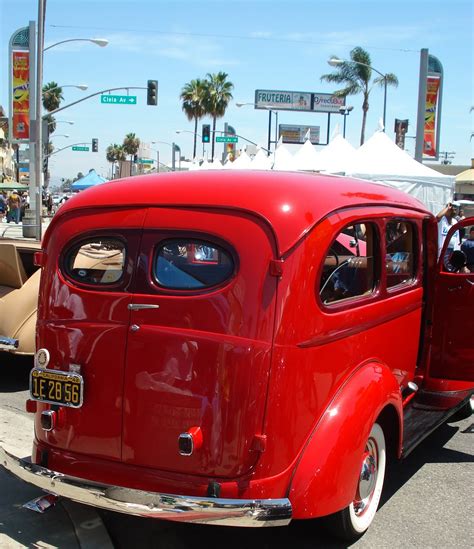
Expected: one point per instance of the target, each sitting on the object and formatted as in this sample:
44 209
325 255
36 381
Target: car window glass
183 264
400 253
98 261
456 254
349 266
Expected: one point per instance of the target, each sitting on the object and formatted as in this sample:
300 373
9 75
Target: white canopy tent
261 161
380 159
336 156
282 159
306 157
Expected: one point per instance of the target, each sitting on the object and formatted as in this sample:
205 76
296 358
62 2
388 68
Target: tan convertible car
19 285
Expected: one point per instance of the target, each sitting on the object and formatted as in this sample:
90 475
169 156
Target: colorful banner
21 94
431 117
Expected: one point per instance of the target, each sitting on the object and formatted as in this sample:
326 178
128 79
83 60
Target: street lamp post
270 112
101 42
335 61
194 133
345 112
174 148
37 140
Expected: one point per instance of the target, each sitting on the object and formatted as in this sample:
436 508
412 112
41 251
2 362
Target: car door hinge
276 267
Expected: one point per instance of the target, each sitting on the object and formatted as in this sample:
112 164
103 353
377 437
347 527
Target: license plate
55 387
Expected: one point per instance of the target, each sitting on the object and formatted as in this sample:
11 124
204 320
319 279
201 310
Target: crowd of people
13 206
447 217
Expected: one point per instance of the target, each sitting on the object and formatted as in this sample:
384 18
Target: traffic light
206 133
95 145
152 92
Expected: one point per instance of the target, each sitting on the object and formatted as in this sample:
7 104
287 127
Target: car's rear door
200 340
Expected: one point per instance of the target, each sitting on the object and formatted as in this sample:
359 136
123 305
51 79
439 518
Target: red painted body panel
201 359
326 476
291 203
257 356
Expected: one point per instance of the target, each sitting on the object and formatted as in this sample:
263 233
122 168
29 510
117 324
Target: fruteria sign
298 101
283 100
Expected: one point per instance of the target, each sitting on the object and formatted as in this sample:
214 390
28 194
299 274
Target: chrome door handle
134 327
139 306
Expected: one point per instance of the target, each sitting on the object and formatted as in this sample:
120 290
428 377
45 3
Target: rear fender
326 475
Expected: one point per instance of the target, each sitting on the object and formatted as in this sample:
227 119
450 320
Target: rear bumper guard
8 343
204 510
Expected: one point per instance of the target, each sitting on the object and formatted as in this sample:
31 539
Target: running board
426 412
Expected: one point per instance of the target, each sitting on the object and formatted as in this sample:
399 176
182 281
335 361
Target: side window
97 261
459 254
400 256
350 265
182 264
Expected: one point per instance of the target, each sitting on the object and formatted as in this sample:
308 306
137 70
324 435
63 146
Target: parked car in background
19 285
243 348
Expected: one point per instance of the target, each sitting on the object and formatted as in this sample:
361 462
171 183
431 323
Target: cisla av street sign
119 99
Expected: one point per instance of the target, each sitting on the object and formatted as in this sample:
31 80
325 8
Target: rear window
97 261
182 264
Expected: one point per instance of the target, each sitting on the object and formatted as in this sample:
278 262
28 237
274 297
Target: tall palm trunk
365 108
213 137
195 136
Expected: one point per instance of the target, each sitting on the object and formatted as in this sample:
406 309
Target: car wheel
354 520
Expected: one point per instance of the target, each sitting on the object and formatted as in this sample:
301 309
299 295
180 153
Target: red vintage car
243 348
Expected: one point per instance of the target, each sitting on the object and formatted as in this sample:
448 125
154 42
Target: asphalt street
427 503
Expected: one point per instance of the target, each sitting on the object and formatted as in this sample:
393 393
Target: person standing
14 204
446 219
468 248
3 205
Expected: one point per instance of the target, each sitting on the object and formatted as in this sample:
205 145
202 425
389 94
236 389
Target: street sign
76 148
119 99
226 139
145 161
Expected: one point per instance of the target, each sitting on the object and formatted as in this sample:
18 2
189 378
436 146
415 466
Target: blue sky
282 45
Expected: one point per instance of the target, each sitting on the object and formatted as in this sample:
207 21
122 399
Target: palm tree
131 144
193 96
357 74
52 96
115 153
217 97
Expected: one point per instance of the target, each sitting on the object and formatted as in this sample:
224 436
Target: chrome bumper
8 343
225 512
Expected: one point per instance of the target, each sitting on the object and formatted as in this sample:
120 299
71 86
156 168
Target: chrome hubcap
367 478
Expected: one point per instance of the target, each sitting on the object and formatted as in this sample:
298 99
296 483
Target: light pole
345 112
270 112
38 96
101 42
336 61
174 148
194 133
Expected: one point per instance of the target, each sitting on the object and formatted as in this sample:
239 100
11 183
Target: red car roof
290 202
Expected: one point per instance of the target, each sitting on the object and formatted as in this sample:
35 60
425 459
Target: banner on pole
21 95
431 116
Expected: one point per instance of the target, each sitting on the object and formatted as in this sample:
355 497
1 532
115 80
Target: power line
229 37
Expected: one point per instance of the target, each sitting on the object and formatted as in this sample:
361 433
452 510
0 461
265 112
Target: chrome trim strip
139 306
204 510
8 343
